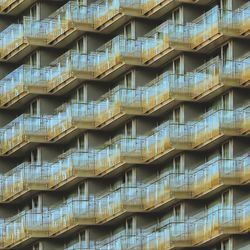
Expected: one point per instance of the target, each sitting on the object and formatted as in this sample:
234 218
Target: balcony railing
164 38
108 10
70 117
211 24
124 199
21 131
118 153
216 173
72 213
223 221
25 226
122 241
216 73
116 52
71 165
244 16
167 137
119 102
22 81
216 124
166 88
174 186
69 67
174 235
70 17
19 36
24 178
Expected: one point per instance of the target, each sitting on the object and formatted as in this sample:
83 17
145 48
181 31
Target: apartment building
125 124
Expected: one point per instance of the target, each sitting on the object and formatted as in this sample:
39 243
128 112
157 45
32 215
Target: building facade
124 124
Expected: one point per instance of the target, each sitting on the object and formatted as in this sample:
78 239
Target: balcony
172 187
21 132
24 179
167 138
215 175
121 241
116 56
21 85
70 118
68 70
244 16
245 69
68 22
246 121
74 213
120 104
216 125
212 28
119 153
18 40
70 167
173 236
245 164
124 200
109 15
219 223
215 76
166 91
164 43
14 7
25 227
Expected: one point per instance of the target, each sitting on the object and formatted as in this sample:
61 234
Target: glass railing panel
26 225
166 188
23 129
71 65
27 176
214 173
73 212
77 115
120 200
72 15
107 10
244 16
24 79
213 124
75 163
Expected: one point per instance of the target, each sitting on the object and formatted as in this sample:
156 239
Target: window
129 31
226 101
81 142
225 245
177 115
176 16
226 5
83 239
35 156
82 191
34 59
81 45
128 80
35 203
80 93
177 213
34 108
129 129
34 11
226 52
177 66
226 199
226 150
129 177
37 246
177 166
130 226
